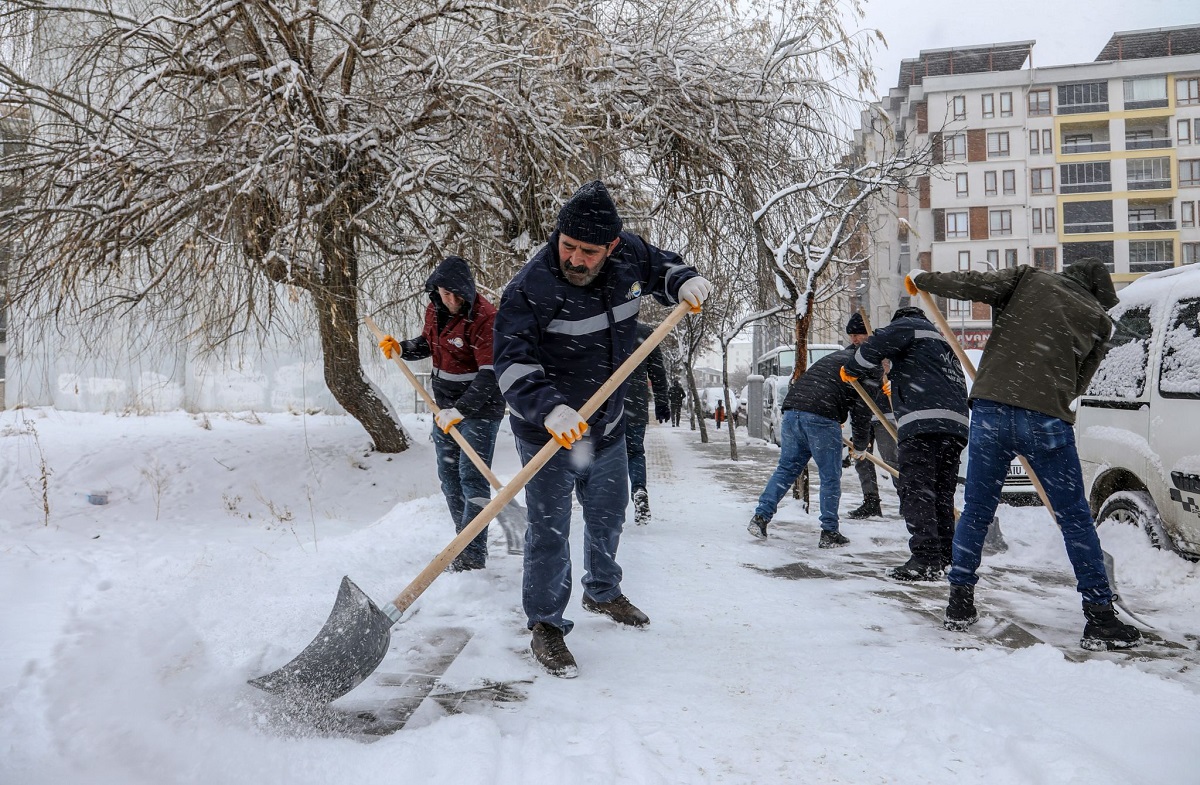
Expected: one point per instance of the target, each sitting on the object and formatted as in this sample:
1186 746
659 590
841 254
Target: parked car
1138 426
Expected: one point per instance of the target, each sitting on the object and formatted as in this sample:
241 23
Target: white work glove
448 418
694 291
565 425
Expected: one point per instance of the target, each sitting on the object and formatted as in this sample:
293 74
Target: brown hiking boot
551 652
619 609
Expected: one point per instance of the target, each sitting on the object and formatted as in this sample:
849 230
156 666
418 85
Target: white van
1138 426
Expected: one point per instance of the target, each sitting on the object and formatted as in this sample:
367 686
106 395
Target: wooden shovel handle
969 367
463 444
543 456
887 424
870 456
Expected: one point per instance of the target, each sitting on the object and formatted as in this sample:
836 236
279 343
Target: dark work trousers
675 412
866 469
635 449
928 475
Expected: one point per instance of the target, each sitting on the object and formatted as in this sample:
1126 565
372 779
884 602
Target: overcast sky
1066 31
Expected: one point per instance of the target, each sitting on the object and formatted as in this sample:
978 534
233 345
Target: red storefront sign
973 339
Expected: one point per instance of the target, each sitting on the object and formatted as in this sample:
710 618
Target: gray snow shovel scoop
512 517
357 634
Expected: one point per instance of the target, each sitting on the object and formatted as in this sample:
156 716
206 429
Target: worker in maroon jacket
458 336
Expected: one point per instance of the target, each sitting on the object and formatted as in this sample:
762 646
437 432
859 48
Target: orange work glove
887 387
846 377
390 345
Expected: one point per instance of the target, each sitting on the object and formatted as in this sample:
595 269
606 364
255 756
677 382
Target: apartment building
14 123
1041 166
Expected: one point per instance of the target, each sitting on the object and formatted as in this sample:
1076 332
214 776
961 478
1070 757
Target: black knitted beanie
590 216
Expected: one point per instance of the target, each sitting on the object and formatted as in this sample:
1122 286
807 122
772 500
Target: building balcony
1160 184
1147 144
1075 148
1084 188
1152 226
1083 108
1088 228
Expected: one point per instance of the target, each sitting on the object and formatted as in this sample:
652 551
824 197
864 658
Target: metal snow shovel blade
348 648
357 634
968 366
463 444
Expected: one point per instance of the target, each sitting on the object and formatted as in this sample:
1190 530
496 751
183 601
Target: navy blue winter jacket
929 391
557 343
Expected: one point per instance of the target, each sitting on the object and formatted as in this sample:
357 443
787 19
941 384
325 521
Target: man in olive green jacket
1049 334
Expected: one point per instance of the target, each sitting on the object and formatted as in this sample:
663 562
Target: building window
1146 92
1039 103
989 106
1147 256
1187 91
1034 146
1087 217
993 260
997 144
1035 220
1080 98
1000 223
960 107
989 183
960 184
1041 181
1049 219
957 226
958 309
1010 181
1047 140
1085 178
1189 172
964 260
1183 131
1010 257
1006 104
1078 252
955 147
1187 214
1149 173
1191 253
1045 259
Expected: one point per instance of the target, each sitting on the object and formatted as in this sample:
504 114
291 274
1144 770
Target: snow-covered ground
128 630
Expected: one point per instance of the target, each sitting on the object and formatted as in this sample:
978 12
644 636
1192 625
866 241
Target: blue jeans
805 435
635 448
461 481
602 486
999 433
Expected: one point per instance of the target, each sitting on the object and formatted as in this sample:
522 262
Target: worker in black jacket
637 415
813 412
930 396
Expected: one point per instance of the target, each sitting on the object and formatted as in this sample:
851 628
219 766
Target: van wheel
1135 508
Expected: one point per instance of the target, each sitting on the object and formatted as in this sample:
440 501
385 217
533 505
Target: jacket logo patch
635 290
456 342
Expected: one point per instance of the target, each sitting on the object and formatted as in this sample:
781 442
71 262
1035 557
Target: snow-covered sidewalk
128 630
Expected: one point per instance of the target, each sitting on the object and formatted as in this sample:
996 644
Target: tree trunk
337 316
697 407
732 415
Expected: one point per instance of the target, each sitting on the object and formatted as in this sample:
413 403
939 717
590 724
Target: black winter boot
832 539
758 527
960 611
1103 632
916 569
641 506
551 652
619 609
870 507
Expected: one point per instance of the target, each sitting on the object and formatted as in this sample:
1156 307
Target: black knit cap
590 216
856 325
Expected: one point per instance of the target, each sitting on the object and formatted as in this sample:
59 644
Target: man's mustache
575 269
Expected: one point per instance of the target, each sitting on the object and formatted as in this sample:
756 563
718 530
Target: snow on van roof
1155 285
